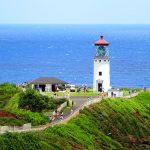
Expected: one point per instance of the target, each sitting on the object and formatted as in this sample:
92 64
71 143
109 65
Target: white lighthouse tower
101 81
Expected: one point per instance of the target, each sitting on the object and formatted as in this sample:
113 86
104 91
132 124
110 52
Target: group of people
56 115
132 92
85 88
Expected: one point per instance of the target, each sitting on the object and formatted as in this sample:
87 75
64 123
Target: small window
95 60
105 60
100 73
99 60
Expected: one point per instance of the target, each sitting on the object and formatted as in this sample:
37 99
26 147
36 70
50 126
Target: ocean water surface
66 51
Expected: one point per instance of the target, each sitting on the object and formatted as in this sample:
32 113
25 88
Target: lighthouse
101 79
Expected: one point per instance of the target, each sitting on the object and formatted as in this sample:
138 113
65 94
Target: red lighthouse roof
101 42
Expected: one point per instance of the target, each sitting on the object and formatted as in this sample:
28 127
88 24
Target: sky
74 11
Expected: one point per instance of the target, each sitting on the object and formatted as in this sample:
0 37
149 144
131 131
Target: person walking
71 111
62 115
72 103
68 95
50 118
103 94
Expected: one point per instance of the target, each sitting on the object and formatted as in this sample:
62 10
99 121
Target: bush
58 101
7 88
54 103
61 87
35 118
32 100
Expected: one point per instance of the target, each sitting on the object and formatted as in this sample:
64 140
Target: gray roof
48 80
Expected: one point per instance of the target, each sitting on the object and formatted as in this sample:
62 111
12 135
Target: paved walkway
79 103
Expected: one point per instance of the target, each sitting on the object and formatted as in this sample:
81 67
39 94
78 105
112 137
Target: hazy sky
75 11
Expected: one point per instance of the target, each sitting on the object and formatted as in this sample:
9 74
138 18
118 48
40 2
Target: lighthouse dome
101 42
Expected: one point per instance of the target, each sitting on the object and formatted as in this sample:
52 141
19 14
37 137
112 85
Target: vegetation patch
6 92
81 93
18 107
6 114
33 101
5 121
110 124
124 120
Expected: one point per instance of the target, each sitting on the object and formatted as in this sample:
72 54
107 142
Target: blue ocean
66 51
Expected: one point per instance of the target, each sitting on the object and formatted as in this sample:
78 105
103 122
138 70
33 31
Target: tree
33 100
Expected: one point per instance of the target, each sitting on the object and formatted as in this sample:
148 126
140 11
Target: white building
115 93
47 84
101 79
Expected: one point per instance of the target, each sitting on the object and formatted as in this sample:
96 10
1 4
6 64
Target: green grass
9 99
66 108
6 92
11 122
120 124
126 90
126 121
34 118
89 93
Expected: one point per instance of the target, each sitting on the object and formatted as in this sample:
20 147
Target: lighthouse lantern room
101 81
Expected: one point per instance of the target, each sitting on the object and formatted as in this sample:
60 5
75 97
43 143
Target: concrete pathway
79 103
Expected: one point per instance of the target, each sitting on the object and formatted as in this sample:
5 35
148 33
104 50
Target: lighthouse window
105 60
100 73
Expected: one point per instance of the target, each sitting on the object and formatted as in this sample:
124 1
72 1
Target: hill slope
110 124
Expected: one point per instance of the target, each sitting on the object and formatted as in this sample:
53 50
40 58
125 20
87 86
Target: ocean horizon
29 51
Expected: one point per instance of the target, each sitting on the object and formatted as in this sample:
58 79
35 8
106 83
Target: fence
4 129
76 112
62 106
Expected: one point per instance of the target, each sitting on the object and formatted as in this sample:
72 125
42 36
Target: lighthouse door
99 87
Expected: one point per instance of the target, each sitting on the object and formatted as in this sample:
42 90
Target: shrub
7 88
36 118
32 100
61 87
33 117
55 102
58 101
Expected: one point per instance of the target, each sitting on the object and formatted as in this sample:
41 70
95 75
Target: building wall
48 88
115 93
101 65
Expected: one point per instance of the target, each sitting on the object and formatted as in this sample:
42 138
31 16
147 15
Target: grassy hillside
110 124
7 91
12 114
126 121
